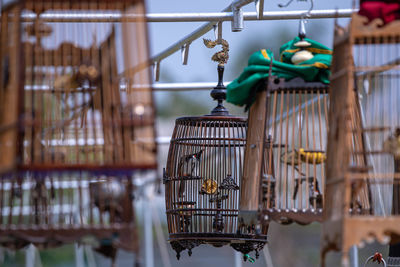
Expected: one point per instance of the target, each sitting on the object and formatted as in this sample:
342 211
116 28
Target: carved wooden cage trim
362 170
73 130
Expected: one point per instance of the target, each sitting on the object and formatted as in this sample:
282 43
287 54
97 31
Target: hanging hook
302 28
285 5
303 21
308 13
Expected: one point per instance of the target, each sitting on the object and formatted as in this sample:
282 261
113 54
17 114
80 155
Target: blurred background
292 245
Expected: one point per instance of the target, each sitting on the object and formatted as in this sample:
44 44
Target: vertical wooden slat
11 45
253 154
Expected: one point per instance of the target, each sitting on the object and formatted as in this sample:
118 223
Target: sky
200 68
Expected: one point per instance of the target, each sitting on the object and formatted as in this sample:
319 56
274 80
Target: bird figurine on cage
222 56
209 187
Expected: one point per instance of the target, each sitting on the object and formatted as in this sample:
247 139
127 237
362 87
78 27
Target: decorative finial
221 56
302 29
219 92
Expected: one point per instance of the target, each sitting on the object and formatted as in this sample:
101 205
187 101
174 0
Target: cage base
240 242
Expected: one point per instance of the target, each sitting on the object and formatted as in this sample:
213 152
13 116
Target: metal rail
157 87
191 86
231 13
182 17
268 15
185 42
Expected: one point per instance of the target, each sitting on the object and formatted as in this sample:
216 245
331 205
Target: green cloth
241 90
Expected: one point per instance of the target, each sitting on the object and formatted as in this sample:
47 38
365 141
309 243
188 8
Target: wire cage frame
292 129
73 132
362 167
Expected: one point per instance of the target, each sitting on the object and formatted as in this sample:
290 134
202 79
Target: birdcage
293 170
286 150
73 128
286 139
202 181
362 194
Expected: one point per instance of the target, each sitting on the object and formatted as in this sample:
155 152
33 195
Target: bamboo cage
285 151
362 192
73 131
202 183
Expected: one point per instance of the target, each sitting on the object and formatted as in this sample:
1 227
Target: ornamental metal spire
219 92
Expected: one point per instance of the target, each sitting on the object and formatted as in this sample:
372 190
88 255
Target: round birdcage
202 181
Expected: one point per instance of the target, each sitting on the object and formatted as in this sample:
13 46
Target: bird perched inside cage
392 144
295 157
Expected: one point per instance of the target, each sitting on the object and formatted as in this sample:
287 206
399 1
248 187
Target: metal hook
285 5
302 28
218 32
303 21
308 13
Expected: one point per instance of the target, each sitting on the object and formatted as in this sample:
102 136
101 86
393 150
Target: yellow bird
310 157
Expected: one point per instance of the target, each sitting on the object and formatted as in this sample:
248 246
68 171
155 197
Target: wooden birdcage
202 178
73 130
285 151
362 196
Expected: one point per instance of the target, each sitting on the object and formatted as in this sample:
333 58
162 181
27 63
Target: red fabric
387 11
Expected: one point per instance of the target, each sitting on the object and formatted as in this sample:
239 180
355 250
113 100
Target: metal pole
193 86
157 87
354 256
267 256
162 243
30 256
211 17
241 3
77 16
90 256
79 256
175 47
276 15
148 230
238 259
259 8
